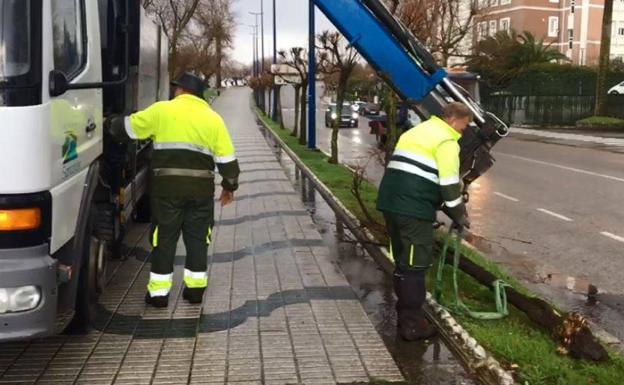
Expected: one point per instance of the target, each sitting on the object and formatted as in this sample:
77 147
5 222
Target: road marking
506 197
563 167
612 236
564 218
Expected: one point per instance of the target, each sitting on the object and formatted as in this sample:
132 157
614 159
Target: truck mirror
58 83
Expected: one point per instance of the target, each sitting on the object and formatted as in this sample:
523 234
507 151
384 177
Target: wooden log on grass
570 331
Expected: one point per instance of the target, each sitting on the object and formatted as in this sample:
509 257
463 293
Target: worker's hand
226 197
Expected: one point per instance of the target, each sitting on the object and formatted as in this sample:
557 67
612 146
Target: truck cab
67 190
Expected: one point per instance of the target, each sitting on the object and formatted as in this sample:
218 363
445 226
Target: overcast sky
292 26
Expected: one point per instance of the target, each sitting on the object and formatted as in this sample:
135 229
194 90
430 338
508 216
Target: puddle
428 362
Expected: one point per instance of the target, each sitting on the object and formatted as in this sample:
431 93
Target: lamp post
312 79
276 89
261 60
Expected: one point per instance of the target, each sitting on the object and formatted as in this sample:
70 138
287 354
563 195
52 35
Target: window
554 1
505 2
15 47
483 4
505 24
482 32
68 36
570 38
553 26
492 27
572 4
493 3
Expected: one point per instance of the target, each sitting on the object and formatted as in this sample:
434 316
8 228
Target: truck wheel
91 280
143 211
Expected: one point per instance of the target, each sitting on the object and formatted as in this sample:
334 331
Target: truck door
75 116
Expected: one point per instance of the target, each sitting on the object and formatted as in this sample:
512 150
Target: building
574 26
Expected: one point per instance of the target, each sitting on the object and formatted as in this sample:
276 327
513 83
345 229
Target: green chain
500 296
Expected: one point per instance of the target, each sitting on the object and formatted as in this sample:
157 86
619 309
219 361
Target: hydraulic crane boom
410 69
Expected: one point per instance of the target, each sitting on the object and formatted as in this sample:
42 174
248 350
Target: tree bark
340 97
603 66
303 117
219 58
280 116
391 128
295 128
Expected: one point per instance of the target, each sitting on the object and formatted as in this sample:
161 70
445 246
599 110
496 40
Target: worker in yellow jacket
422 177
189 139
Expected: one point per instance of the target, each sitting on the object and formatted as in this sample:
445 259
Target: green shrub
601 122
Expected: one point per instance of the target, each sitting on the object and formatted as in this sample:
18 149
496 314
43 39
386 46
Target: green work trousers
194 218
411 246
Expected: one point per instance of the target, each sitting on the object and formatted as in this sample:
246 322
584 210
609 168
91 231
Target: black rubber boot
419 330
195 295
410 290
159 301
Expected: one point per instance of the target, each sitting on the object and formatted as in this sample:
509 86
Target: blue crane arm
410 69
374 42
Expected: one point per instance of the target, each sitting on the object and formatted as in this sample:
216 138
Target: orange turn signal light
20 219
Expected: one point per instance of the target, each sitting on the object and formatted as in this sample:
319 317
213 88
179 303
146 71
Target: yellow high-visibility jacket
189 139
423 173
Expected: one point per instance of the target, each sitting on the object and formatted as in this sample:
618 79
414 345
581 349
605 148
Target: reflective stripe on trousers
195 279
159 284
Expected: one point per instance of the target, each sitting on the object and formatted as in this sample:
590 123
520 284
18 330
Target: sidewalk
277 310
614 140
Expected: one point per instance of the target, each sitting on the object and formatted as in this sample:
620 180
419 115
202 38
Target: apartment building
574 26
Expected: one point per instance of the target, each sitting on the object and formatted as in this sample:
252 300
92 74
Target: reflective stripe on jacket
189 139
423 173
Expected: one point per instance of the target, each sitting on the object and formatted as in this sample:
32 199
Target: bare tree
441 25
336 57
603 67
217 23
296 58
174 17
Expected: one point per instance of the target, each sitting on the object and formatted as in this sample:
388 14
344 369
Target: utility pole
276 89
262 31
261 60
312 79
603 64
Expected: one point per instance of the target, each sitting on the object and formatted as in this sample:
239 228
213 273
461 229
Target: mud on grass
514 340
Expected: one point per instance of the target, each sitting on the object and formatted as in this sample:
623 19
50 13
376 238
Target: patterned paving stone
277 310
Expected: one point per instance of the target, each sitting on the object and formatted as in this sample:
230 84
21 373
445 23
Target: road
550 213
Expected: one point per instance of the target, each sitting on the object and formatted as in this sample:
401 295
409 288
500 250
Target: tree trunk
219 54
295 128
340 97
303 117
391 127
280 116
603 66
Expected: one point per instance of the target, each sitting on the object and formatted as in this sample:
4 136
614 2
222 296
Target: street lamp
275 87
255 49
261 14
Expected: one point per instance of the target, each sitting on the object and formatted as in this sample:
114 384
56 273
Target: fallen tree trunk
571 331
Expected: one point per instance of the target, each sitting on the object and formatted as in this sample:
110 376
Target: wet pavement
549 212
428 362
278 309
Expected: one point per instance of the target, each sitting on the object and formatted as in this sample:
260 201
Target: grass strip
513 340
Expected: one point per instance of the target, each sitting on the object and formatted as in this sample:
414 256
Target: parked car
405 120
348 117
618 89
370 109
357 106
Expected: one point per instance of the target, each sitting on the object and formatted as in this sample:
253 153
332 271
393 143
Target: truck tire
109 229
91 279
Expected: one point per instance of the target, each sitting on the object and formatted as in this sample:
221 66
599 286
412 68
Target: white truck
66 191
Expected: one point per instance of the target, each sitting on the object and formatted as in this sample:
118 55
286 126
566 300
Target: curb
473 356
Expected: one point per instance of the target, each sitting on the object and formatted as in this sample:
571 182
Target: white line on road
612 236
563 167
506 197
564 218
